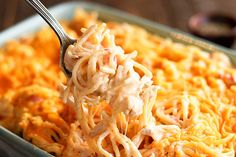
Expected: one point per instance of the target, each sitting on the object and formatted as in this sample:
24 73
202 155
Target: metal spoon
65 40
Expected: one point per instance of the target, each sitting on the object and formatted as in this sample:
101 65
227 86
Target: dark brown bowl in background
215 27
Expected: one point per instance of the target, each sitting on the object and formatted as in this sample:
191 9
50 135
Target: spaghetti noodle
103 72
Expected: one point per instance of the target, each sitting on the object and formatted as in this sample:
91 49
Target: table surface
174 13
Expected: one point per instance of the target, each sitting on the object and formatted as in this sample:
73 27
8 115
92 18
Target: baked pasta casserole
165 98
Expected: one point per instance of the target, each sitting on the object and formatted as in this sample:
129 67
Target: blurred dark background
174 13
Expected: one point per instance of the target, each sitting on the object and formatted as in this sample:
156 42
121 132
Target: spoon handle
54 24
